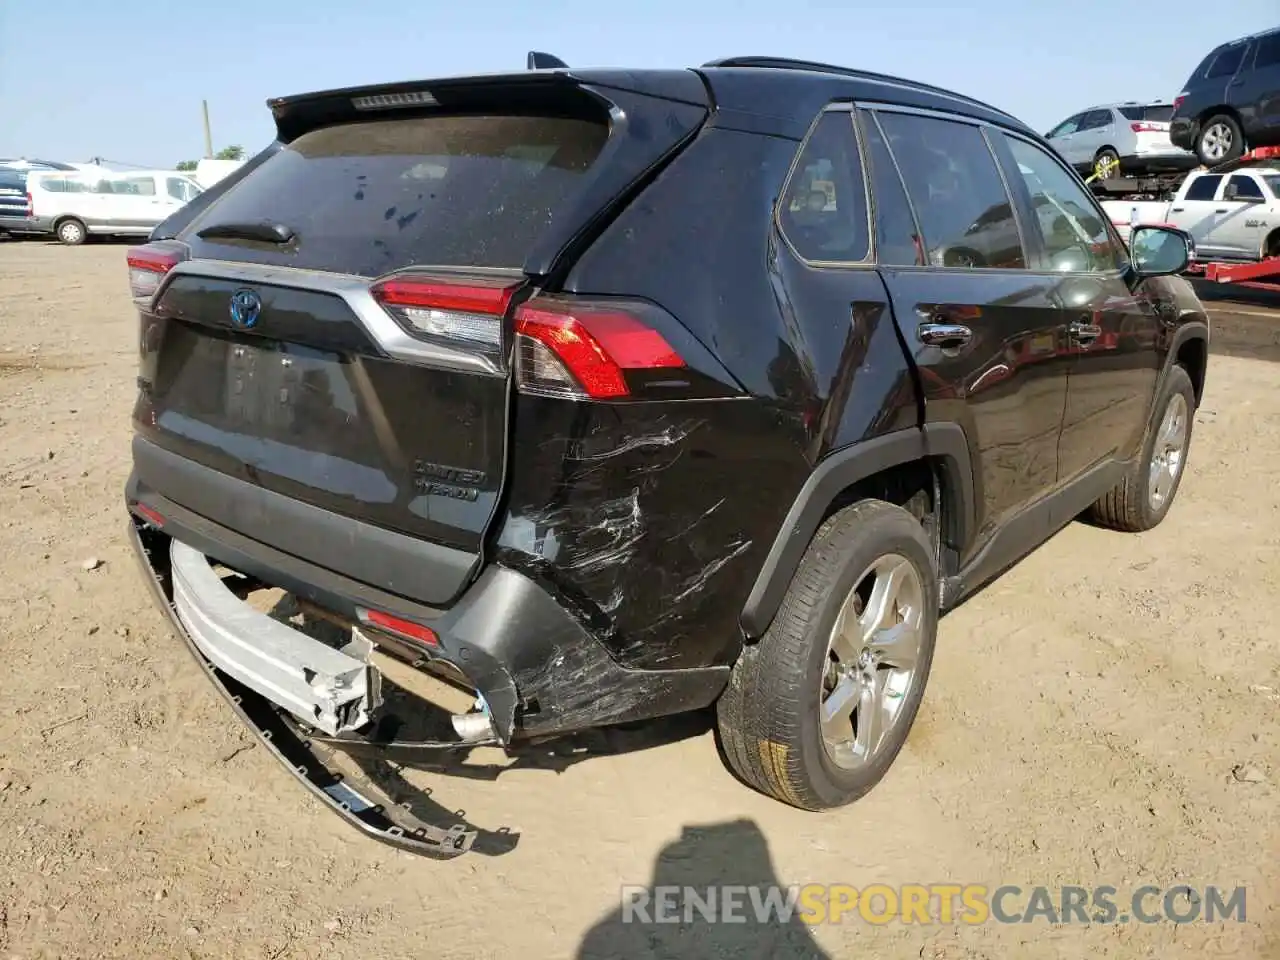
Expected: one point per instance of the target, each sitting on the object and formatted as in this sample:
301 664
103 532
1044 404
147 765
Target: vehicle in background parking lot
1231 102
1120 138
75 205
616 394
15 204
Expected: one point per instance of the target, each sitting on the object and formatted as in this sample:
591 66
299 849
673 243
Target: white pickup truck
1232 216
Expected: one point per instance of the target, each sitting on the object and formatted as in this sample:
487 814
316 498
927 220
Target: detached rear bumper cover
541 673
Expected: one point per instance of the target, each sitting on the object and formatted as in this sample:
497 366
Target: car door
1238 230
1196 211
1062 137
1256 92
1112 328
986 338
1090 138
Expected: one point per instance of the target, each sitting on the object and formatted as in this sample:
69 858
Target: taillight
147 266
1178 101
587 349
1145 126
462 312
31 206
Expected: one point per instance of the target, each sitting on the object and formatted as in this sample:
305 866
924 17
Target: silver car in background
1120 138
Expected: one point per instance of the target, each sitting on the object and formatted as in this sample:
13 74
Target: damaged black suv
614 394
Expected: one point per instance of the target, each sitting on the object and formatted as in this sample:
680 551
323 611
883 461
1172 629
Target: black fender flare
945 443
1189 330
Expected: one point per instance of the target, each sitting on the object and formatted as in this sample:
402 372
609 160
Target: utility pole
208 137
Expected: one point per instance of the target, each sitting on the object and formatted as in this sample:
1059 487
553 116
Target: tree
185 165
235 152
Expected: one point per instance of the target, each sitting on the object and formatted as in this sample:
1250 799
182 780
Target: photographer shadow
724 854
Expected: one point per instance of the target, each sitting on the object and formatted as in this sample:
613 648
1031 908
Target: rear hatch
1150 126
14 202
326 365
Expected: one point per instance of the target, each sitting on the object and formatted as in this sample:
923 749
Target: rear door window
955 187
1245 188
824 209
1268 54
897 237
1226 63
368 198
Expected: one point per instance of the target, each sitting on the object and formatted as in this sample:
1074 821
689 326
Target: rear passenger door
1257 90
988 340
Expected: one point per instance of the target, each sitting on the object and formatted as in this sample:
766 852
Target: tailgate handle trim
382 328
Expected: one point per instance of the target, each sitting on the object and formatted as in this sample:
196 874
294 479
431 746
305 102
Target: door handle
949 336
1177 209
1084 331
1221 210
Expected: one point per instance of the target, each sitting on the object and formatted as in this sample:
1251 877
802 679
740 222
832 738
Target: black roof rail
543 61
785 63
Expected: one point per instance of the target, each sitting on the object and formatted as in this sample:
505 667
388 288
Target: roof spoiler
544 61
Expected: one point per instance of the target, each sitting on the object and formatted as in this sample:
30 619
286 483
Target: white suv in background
73 205
1120 138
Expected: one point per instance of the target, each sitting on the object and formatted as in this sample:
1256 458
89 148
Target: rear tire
72 232
1220 139
1106 165
1143 498
869 570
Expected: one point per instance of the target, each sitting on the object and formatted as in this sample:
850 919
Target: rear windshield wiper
264 232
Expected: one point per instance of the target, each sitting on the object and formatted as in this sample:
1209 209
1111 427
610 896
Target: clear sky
123 80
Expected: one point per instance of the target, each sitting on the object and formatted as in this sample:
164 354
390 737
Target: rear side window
824 210
368 198
129 186
1203 188
955 187
1153 113
1226 63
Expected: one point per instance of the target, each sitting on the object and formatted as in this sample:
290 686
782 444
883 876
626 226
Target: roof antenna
544 61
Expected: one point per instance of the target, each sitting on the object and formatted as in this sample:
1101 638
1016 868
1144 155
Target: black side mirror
1159 251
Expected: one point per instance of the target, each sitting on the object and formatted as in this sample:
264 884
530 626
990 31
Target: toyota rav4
611 394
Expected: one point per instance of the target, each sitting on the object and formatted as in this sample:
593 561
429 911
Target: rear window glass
1161 113
1226 62
12 180
372 197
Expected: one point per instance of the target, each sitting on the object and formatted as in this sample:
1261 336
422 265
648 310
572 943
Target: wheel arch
1271 242
939 451
1190 350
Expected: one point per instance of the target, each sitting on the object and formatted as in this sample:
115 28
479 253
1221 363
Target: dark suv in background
1231 102
613 394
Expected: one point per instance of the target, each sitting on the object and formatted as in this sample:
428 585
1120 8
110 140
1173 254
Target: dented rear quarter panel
652 520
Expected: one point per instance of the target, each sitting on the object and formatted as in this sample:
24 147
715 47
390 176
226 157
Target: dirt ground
1082 725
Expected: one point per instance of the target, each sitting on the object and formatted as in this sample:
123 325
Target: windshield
1152 113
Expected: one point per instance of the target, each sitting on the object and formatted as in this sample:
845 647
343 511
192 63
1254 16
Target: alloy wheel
872 658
